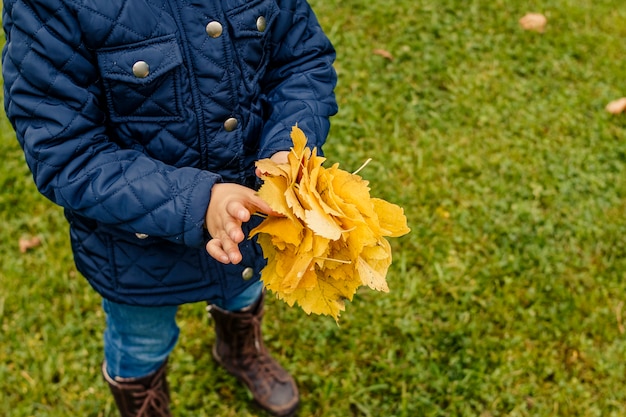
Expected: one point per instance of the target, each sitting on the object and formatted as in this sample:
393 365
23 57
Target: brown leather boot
239 348
141 397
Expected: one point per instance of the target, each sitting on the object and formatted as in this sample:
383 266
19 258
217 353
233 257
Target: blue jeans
137 339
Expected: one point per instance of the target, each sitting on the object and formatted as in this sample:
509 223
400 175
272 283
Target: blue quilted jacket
129 111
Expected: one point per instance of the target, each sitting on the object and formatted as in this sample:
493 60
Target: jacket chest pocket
250 25
142 81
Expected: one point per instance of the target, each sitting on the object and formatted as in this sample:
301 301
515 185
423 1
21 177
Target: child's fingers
262 206
224 250
229 237
232 231
224 225
232 250
238 210
214 249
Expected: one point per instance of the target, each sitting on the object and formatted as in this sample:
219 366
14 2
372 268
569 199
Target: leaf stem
362 166
341 261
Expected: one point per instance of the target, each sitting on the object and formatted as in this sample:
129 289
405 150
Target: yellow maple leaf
390 217
331 240
282 229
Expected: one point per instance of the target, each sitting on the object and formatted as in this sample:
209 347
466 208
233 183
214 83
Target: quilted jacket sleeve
53 100
300 81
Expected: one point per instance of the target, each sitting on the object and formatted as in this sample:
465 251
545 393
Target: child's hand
230 206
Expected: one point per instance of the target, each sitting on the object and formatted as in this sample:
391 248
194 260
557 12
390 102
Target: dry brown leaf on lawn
534 22
331 238
26 243
384 53
616 106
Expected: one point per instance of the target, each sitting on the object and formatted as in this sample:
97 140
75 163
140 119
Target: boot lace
154 403
257 360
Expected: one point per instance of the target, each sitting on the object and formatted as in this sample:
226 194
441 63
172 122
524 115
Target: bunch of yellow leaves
330 239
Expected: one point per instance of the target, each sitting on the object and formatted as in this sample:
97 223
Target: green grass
507 298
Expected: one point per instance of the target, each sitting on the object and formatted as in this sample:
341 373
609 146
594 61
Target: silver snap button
141 235
230 124
214 29
141 69
261 24
247 273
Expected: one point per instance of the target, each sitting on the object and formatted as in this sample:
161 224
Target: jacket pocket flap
142 62
252 19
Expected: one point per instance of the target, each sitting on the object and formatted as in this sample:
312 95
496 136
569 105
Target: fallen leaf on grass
26 243
331 240
616 106
384 53
534 22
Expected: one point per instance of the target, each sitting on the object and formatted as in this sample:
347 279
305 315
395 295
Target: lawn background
507 298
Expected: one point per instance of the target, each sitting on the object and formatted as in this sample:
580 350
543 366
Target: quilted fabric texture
129 111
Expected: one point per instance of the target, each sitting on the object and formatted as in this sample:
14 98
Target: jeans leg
138 340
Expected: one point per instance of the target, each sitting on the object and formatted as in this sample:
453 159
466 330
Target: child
143 119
